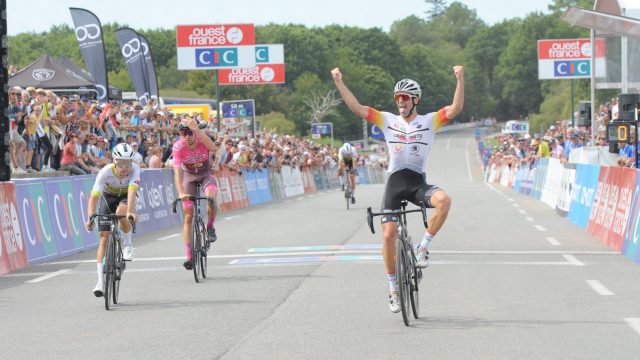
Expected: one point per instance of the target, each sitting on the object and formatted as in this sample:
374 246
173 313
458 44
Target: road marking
169 236
540 227
311 196
449 143
516 205
288 202
466 152
231 217
599 288
634 323
48 276
553 241
572 260
529 218
510 200
522 212
316 259
300 198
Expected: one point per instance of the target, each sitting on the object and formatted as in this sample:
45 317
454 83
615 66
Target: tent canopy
47 73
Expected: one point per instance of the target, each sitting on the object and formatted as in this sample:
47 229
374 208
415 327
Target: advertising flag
132 51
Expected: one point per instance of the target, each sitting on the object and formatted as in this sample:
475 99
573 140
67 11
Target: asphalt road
304 279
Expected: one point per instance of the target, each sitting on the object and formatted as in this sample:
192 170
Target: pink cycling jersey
193 161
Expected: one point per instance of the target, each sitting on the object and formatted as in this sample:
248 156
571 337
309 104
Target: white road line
48 276
516 205
169 236
288 202
634 323
231 217
449 143
599 288
553 241
510 200
466 152
529 218
540 227
572 260
310 196
300 198
522 212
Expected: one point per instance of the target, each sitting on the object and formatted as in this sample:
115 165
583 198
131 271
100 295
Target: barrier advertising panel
67 223
582 198
631 245
13 254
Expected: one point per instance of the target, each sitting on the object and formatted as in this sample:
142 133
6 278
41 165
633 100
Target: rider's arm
93 202
349 99
458 97
177 177
132 191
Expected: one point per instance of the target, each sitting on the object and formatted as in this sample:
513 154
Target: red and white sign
269 68
261 74
215 35
564 49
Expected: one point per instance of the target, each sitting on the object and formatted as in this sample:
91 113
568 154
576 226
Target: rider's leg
125 226
98 290
187 207
389 235
441 203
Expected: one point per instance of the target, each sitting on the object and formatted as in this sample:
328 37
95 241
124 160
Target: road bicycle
115 264
199 240
407 271
348 191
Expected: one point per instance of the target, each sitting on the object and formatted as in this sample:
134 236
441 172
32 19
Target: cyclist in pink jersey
409 137
192 164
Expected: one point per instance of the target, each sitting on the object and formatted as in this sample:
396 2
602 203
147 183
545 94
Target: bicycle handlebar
115 217
175 202
371 215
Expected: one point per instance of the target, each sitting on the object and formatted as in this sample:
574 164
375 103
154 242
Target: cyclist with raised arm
192 164
409 138
116 187
346 156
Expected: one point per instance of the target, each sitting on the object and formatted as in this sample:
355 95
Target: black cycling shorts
108 205
348 163
407 185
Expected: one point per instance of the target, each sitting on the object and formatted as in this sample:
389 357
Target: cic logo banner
572 68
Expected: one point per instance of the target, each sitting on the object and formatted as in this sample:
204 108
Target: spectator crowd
73 133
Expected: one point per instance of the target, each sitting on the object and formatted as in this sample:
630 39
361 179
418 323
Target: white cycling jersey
108 182
409 143
344 154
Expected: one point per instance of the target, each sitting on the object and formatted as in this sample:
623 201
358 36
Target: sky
39 15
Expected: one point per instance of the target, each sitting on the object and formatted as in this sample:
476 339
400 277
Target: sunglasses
403 97
186 133
124 164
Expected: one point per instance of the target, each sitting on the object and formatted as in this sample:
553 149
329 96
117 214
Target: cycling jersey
108 182
344 154
193 161
409 143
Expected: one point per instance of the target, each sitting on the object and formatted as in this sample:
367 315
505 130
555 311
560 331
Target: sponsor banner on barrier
82 186
35 220
566 189
362 175
598 210
66 220
553 183
540 176
631 245
13 254
619 206
276 184
152 205
307 181
257 186
292 181
582 196
171 193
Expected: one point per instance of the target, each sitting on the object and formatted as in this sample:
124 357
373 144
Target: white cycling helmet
122 151
408 86
347 148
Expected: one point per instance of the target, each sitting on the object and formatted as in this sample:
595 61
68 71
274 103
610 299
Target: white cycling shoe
394 302
98 291
422 257
127 252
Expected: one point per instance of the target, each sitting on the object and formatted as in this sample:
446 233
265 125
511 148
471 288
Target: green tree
278 122
436 8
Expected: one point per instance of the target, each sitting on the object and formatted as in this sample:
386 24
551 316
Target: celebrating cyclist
116 187
409 138
192 165
346 156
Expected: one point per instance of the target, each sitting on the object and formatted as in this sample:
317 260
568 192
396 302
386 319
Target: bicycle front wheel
110 271
415 277
203 249
403 278
195 250
119 268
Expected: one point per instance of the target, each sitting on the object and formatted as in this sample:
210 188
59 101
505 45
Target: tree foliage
500 65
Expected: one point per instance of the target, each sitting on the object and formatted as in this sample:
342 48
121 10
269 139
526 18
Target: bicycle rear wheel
203 249
110 271
195 250
403 278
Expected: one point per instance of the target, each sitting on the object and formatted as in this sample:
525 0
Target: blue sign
571 68
262 54
376 133
214 57
322 129
234 109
